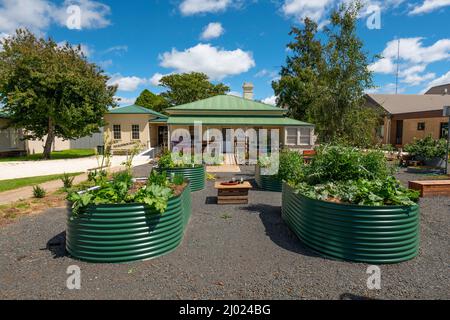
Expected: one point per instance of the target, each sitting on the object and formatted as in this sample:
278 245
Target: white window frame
114 131
299 136
138 132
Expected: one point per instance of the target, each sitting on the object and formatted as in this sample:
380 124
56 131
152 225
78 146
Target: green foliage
264 161
178 179
348 175
67 181
190 87
166 161
427 148
325 79
155 194
39 192
339 163
292 166
149 100
51 90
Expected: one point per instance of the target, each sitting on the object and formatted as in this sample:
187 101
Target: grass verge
57 155
6 185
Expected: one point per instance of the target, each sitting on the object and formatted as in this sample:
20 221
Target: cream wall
126 121
432 126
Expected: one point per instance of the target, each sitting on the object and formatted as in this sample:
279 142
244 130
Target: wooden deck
430 188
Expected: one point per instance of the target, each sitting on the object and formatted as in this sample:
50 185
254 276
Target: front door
163 136
399 133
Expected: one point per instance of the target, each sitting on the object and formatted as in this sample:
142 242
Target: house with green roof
131 124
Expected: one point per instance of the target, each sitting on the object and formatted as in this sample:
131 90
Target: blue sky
136 42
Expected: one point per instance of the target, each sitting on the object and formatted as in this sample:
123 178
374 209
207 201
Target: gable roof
237 120
134 109
226 103
410 103
442 89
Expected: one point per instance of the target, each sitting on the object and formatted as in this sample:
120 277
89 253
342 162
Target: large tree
51 90
149 100
189 87
326 77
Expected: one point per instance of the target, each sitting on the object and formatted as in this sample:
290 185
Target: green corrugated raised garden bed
348 206
268 182
196 174
122 221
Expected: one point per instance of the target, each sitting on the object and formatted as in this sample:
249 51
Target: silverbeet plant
348 175
155 194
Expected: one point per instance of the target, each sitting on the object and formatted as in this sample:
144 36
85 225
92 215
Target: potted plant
126 219
187 168
349 206
290 168
429 151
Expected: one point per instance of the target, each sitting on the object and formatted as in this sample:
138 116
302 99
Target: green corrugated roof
157 120
226 103
134 109
237 120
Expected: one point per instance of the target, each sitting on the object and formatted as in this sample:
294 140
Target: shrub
427 148
348 175
67 181
39 192
291 166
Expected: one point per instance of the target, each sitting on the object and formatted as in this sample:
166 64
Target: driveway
229 252
25 169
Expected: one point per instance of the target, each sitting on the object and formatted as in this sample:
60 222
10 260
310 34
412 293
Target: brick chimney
248 90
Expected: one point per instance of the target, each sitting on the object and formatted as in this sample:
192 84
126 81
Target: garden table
233 194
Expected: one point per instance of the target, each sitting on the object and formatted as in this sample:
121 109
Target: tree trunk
50 137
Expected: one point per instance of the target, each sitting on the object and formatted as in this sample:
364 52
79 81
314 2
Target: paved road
229 252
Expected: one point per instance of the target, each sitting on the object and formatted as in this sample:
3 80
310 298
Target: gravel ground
229 252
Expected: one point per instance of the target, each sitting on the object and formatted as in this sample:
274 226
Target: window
444 130
421 126
291 136
135 132
117 132
305 136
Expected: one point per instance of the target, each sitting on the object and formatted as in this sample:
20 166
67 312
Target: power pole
398 67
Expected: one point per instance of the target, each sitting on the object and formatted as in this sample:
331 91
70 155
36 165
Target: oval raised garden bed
196 175
127 232
266 182
378 235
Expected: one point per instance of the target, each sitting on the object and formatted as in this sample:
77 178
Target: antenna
398 67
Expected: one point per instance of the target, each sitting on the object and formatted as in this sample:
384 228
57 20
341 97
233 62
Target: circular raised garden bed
424 170
127 232
266 182
378 235
196 175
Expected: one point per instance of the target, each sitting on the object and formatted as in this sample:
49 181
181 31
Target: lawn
12 184
57 155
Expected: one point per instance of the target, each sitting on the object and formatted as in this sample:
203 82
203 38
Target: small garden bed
428 151
127 220
196 174
348 206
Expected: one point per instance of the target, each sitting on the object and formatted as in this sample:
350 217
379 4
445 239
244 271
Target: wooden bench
429 188
237 194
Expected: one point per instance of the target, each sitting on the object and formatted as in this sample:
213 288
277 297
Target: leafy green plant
67 181
154 196
159 179
292 166
39 192
178 179
427 148
210 177
348 175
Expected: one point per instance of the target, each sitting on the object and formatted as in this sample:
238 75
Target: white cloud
270 100
444 79
235 94
217 63
429 6
414 59
191 7
266 73
93 14
212 30
116 49
38 15
300 9
124 101
126 83
106 63
156 78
